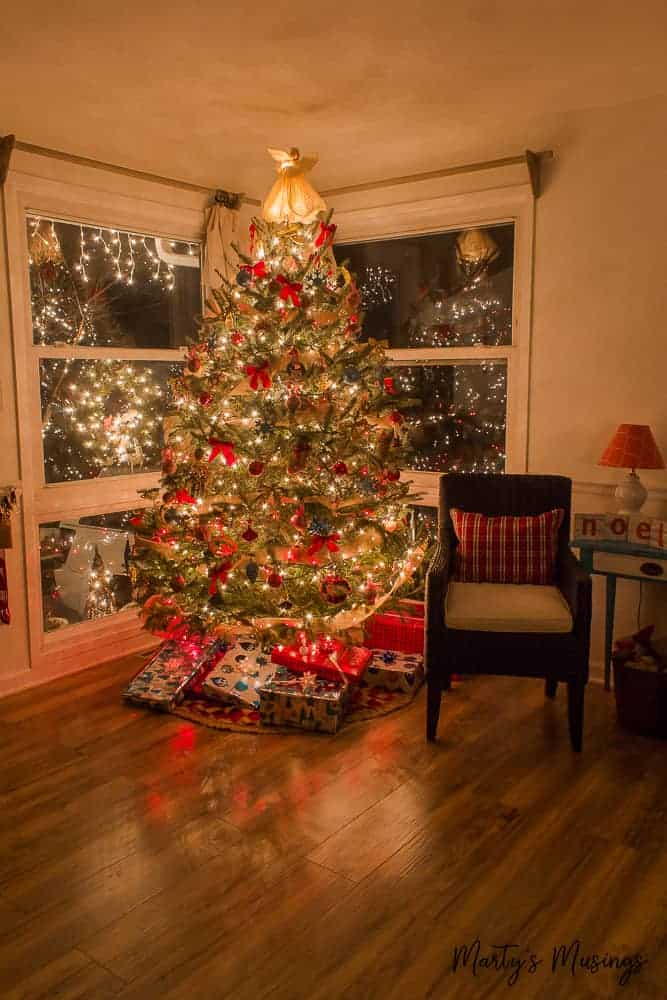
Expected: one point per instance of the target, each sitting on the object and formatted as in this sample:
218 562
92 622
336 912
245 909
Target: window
85 570
113 295
106 296
448 294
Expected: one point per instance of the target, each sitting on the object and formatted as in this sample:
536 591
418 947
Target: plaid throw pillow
507 549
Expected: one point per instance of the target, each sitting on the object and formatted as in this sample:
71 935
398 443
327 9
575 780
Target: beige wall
599 335
599 340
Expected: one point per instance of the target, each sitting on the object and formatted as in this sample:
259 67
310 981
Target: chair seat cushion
506 607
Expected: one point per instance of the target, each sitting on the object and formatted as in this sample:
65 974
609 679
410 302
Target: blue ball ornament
252 571
351 375
243 278
319 527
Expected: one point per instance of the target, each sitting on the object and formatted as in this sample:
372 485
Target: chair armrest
576 587
437 580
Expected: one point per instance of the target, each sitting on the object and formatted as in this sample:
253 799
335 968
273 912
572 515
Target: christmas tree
281 506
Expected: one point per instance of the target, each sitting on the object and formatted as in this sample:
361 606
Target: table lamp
632 447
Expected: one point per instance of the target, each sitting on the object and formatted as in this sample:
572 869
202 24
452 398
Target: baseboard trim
16 683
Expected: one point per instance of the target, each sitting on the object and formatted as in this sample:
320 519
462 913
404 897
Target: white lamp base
631 494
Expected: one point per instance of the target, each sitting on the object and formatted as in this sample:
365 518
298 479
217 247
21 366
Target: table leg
609 629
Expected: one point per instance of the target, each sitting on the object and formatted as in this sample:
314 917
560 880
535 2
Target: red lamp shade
632 447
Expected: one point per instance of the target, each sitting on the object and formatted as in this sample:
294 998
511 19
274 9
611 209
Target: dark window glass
448 289
103 417
84 568
458 415
96 287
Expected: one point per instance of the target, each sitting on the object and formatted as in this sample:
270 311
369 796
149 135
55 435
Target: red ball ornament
249 535
236 338
393 475
334 589
396 417
340 469
194 364
299 518
256 468
274 579
205 398
178 582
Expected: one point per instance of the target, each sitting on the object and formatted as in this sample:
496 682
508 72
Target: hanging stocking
5 617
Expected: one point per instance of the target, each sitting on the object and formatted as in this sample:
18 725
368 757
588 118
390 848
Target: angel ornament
292 198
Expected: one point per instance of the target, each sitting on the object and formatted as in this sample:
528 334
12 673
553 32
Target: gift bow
182 496
220 573
257 374
257 270
321 540
177 630
224 448
289 290
325 233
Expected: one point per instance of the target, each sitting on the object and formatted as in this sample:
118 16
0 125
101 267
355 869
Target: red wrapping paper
401 630
323 659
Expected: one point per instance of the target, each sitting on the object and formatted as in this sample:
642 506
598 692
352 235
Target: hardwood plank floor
143 856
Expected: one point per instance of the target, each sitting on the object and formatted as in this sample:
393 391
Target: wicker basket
640 688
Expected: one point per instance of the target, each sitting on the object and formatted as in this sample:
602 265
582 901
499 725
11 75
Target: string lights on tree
281 506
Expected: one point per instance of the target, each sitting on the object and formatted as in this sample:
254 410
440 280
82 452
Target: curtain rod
114 168
530 158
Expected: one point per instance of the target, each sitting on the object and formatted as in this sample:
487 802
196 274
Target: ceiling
379 89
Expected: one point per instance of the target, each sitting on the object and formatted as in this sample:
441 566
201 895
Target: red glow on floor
184 740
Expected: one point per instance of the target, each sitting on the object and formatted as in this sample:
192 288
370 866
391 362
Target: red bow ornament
325 234
219 573
257 270
257 374
289 290
224 448
182 496
321 540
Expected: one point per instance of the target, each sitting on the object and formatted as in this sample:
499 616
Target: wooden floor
142 856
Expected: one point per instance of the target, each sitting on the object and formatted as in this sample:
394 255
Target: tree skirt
367 703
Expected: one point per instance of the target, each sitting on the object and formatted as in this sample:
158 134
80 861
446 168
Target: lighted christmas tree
281 505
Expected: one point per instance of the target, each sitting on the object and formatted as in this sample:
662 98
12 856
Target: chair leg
447 682
433 698
575 712
550 688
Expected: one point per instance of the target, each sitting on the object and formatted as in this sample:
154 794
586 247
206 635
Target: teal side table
619 559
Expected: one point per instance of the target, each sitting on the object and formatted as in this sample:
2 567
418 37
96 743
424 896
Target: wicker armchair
534 649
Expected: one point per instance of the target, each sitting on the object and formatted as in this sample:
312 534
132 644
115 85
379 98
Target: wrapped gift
401 630
302 700
328 659
238 674
164 679
394 671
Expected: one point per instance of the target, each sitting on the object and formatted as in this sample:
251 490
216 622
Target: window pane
84 568
443 290
99 287
457 422
102 418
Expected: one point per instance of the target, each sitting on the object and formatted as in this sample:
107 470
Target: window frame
148 211
418 216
